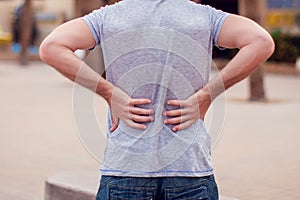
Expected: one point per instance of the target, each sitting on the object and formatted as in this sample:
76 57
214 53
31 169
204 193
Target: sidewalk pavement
256 157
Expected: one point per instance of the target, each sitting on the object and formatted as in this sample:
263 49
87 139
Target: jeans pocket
129 193
191 192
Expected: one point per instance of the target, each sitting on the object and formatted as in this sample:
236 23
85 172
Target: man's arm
256 46
58 51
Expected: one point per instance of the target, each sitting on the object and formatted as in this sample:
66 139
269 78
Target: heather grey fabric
161 50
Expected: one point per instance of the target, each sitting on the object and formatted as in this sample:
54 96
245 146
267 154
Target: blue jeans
165 188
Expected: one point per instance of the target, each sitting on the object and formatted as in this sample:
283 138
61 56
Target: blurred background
256 157
280 17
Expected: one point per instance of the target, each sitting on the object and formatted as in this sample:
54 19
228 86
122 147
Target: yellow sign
5 38
280 19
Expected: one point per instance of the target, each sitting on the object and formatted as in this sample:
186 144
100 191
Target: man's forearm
242 65
68 64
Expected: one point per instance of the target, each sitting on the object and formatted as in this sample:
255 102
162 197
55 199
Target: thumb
115 123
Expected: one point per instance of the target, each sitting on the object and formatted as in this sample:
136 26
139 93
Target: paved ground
257 156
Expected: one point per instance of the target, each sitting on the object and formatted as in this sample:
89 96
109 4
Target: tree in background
254 10
26 24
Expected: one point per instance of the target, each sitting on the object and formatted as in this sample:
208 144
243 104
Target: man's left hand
193 108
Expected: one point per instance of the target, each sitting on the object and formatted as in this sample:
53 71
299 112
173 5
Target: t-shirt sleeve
94 21
217 19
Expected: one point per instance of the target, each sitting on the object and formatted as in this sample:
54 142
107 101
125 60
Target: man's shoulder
114 7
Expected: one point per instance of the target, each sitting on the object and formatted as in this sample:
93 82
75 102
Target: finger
183 126
140 111
202 117
135 125
140 118
179 103
115 124
134 102
175 113
176 120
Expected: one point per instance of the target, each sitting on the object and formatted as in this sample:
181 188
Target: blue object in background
285 4
16 48
33 50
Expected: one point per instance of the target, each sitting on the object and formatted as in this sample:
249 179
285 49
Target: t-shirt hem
157 174
92 29
226 15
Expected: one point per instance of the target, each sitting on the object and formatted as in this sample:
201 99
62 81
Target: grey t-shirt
161 50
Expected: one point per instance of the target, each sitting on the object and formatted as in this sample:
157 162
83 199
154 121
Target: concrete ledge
227 198
77 186
72 186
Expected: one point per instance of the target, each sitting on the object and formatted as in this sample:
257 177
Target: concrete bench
77 186
72 186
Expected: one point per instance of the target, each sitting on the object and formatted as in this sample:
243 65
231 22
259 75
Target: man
157 57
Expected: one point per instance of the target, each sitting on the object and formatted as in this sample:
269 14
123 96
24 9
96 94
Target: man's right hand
123 107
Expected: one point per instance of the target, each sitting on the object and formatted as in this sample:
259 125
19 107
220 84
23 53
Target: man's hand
123 107
191 110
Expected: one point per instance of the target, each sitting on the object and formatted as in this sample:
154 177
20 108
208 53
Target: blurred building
278 14
281 15
48 13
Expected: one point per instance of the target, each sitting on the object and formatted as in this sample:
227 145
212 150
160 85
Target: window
285 4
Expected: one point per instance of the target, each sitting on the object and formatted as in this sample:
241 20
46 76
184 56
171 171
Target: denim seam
151 189
148 188
204 187
106 182
202 180
189 186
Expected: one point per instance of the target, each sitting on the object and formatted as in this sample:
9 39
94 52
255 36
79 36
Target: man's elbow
50 51
267 45
45 52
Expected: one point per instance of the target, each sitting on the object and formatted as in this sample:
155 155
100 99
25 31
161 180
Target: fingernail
144 127
166 122
175 129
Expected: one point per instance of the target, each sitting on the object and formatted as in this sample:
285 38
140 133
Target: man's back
160 50
157 51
